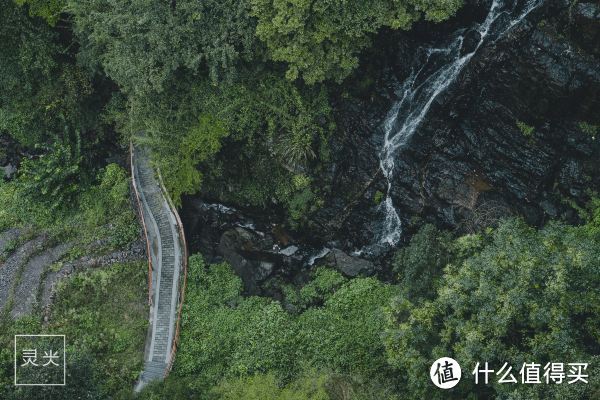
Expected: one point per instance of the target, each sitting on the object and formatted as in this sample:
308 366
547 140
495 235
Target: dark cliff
515 134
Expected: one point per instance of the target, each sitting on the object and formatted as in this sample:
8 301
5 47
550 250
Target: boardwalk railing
182 277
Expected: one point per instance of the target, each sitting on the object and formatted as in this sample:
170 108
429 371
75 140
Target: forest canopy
234 72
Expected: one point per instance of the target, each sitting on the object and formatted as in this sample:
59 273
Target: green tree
344 334
527 296
40 90
419 264
48 9
322 40
141 44
225 335
178 162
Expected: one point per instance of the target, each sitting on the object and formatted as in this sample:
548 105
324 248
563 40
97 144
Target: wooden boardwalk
167 266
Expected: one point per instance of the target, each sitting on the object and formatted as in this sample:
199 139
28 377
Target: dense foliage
178 63
43 93
103 314
525 295
225 335
100 209
322 40
142 44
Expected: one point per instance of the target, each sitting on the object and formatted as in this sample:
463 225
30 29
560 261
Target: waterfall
438 69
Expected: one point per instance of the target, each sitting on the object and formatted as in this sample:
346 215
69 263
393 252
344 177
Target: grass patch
378 198
103 313
589 129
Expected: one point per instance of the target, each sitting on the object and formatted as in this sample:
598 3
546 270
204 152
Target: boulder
349 265
9 171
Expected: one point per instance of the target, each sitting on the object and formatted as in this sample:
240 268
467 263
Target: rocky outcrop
515 134
585 28
242 249
260 251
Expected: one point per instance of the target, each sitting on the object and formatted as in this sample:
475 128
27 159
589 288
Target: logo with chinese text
532 373
40 360
445 373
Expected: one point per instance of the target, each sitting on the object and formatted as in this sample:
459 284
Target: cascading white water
439 69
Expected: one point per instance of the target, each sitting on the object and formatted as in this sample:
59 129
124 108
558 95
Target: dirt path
27 290
10 268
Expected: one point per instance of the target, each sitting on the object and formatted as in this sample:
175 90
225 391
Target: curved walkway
167 264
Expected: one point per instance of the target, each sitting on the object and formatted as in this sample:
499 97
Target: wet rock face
507 138
262 254
348 265
248 254
256 250
510 136
586 17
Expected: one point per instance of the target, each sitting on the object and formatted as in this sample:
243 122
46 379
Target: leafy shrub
53 178
378 198
225 335
178 164
589 129
526 130
419 265
324 284
106 209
